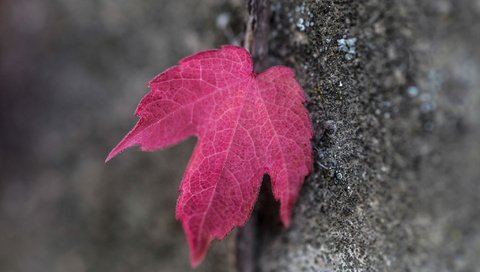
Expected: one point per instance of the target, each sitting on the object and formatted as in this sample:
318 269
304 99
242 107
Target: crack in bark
264 220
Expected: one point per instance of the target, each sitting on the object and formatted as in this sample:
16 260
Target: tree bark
394 96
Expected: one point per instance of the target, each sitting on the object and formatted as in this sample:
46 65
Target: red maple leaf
247 125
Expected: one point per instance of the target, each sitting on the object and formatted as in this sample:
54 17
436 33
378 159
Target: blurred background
71 75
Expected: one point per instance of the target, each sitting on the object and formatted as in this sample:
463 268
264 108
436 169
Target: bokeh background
71 75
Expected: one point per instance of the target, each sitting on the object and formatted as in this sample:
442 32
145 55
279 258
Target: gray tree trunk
394 95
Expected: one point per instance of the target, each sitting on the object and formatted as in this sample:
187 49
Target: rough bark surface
394 95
